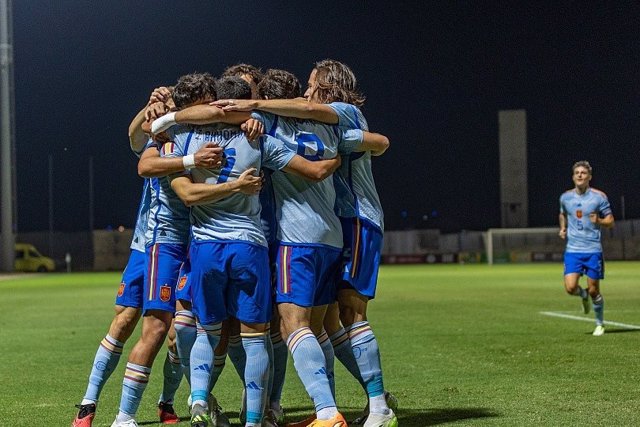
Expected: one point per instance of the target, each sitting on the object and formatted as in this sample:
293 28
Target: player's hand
155 110
252 128
334 163
563 233
593 217
160 94
209 156
248 183
235 104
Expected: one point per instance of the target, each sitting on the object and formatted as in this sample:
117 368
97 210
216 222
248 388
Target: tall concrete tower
514 200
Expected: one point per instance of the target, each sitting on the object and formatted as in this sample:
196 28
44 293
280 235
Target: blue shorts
360 256
307 275
163 264
230 279
591 264
183 287
131 286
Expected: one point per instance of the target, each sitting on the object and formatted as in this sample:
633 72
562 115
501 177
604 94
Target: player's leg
595 272
280 351
218 417
357 288
155 326
280 356
248 299
573 269
172 374
207 291
128 309
598 305
300 272
161 276
255 338
185 326
353 313
235 349
340 342
322 324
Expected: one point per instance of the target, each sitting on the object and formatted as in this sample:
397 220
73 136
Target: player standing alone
583 211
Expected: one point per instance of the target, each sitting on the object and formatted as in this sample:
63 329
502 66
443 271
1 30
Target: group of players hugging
259 233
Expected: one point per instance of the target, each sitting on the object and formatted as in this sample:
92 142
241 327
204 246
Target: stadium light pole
6 137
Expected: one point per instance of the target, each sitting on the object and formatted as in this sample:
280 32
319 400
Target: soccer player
129 301
167 238
332 97
583 212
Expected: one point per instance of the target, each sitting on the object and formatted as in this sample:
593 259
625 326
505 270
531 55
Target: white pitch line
584 319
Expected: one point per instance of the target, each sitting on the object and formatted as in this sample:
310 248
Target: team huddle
259 233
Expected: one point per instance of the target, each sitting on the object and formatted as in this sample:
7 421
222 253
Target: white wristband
189 162
163 123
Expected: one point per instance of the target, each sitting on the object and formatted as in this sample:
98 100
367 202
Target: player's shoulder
599 193
567 193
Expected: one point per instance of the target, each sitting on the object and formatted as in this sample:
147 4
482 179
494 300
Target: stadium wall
109 249
430 246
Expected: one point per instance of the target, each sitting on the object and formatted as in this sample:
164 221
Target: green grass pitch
462 345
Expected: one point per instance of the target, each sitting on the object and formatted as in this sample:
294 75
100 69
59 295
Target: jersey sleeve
605 207
275 155
349 116
562 209
350 140
177 146
270 121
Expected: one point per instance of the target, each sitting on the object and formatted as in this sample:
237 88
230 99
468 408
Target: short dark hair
279 84
194 87
244 69
336 82
233 87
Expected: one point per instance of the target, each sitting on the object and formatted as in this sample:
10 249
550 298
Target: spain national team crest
121 289
182 282
165 293
579 213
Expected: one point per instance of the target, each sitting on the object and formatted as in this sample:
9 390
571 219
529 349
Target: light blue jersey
355 186
235 217
168 216
583 236
306 209
139 240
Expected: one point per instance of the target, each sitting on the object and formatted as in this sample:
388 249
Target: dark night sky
435 74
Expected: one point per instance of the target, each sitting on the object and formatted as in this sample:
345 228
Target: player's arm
199 115
137 137
298 107
193 194
607 221
315 171
152 165
374 142
562 220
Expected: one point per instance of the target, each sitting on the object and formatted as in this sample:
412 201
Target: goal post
511 240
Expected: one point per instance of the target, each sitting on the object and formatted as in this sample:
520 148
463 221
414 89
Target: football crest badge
165 293
121 289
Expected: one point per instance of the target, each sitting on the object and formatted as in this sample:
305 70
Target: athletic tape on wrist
189 162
